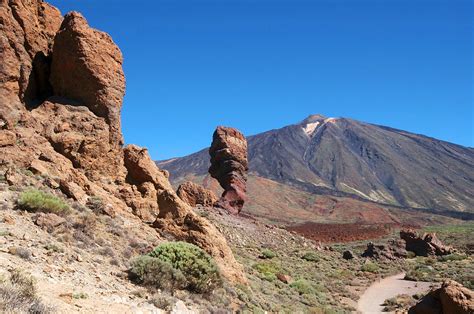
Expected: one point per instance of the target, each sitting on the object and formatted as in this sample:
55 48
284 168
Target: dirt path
378 292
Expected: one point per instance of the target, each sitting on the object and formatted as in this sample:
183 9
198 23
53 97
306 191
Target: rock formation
452 297
194 194
61 90
229 165
393 250
426 245
86 67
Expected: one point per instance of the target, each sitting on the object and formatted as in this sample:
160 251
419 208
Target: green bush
177 265
310 257
268 254
420 273
370 267
302 286
152 271
452 257
267 271
39 201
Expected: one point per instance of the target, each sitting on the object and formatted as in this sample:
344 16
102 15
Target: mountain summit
348 158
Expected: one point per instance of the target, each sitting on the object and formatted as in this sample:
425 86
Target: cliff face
61 91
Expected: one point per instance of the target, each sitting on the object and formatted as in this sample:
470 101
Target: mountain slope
344 157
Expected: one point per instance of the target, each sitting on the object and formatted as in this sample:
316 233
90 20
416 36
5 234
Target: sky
259 64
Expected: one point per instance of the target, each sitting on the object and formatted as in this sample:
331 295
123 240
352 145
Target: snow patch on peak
310 128
330 120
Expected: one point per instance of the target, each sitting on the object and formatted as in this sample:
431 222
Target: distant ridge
345 157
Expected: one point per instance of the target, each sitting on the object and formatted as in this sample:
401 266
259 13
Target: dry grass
18 295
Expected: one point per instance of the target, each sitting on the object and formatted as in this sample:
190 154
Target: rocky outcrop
175 217
229 165
452 297
391 251
428 244
87 68
193 194
61 90
27 29
81 136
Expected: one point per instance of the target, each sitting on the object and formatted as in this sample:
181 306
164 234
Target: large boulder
229 166
194 194
87 68
451 297
426 245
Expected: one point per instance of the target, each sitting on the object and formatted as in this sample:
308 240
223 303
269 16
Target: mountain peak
313 118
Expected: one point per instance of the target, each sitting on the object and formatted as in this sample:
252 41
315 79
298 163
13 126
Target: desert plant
80 295
177 265
95 204
399 302
53 248
302 286
452 257
310 257
370 267
39 201
18 295
420 273
267 254
21 252
267 271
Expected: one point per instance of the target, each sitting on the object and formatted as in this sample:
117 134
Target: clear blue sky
258 65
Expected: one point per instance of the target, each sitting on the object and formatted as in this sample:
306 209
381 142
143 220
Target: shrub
420 273
401 301
310 257
177 265
96 204
54 248
267 254
18 295
370 267
80 295
21 252
411 254
267 271
38 201
302 286
452 257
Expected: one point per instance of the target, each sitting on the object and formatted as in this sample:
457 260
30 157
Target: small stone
284 278
7 138
9 220
48 221
37 167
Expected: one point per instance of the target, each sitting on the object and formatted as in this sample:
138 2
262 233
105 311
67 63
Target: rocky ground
80 265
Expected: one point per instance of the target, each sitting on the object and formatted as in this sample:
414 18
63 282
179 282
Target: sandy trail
378 292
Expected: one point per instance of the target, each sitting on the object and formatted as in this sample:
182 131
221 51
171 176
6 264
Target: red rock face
87 68
229 165
194 194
